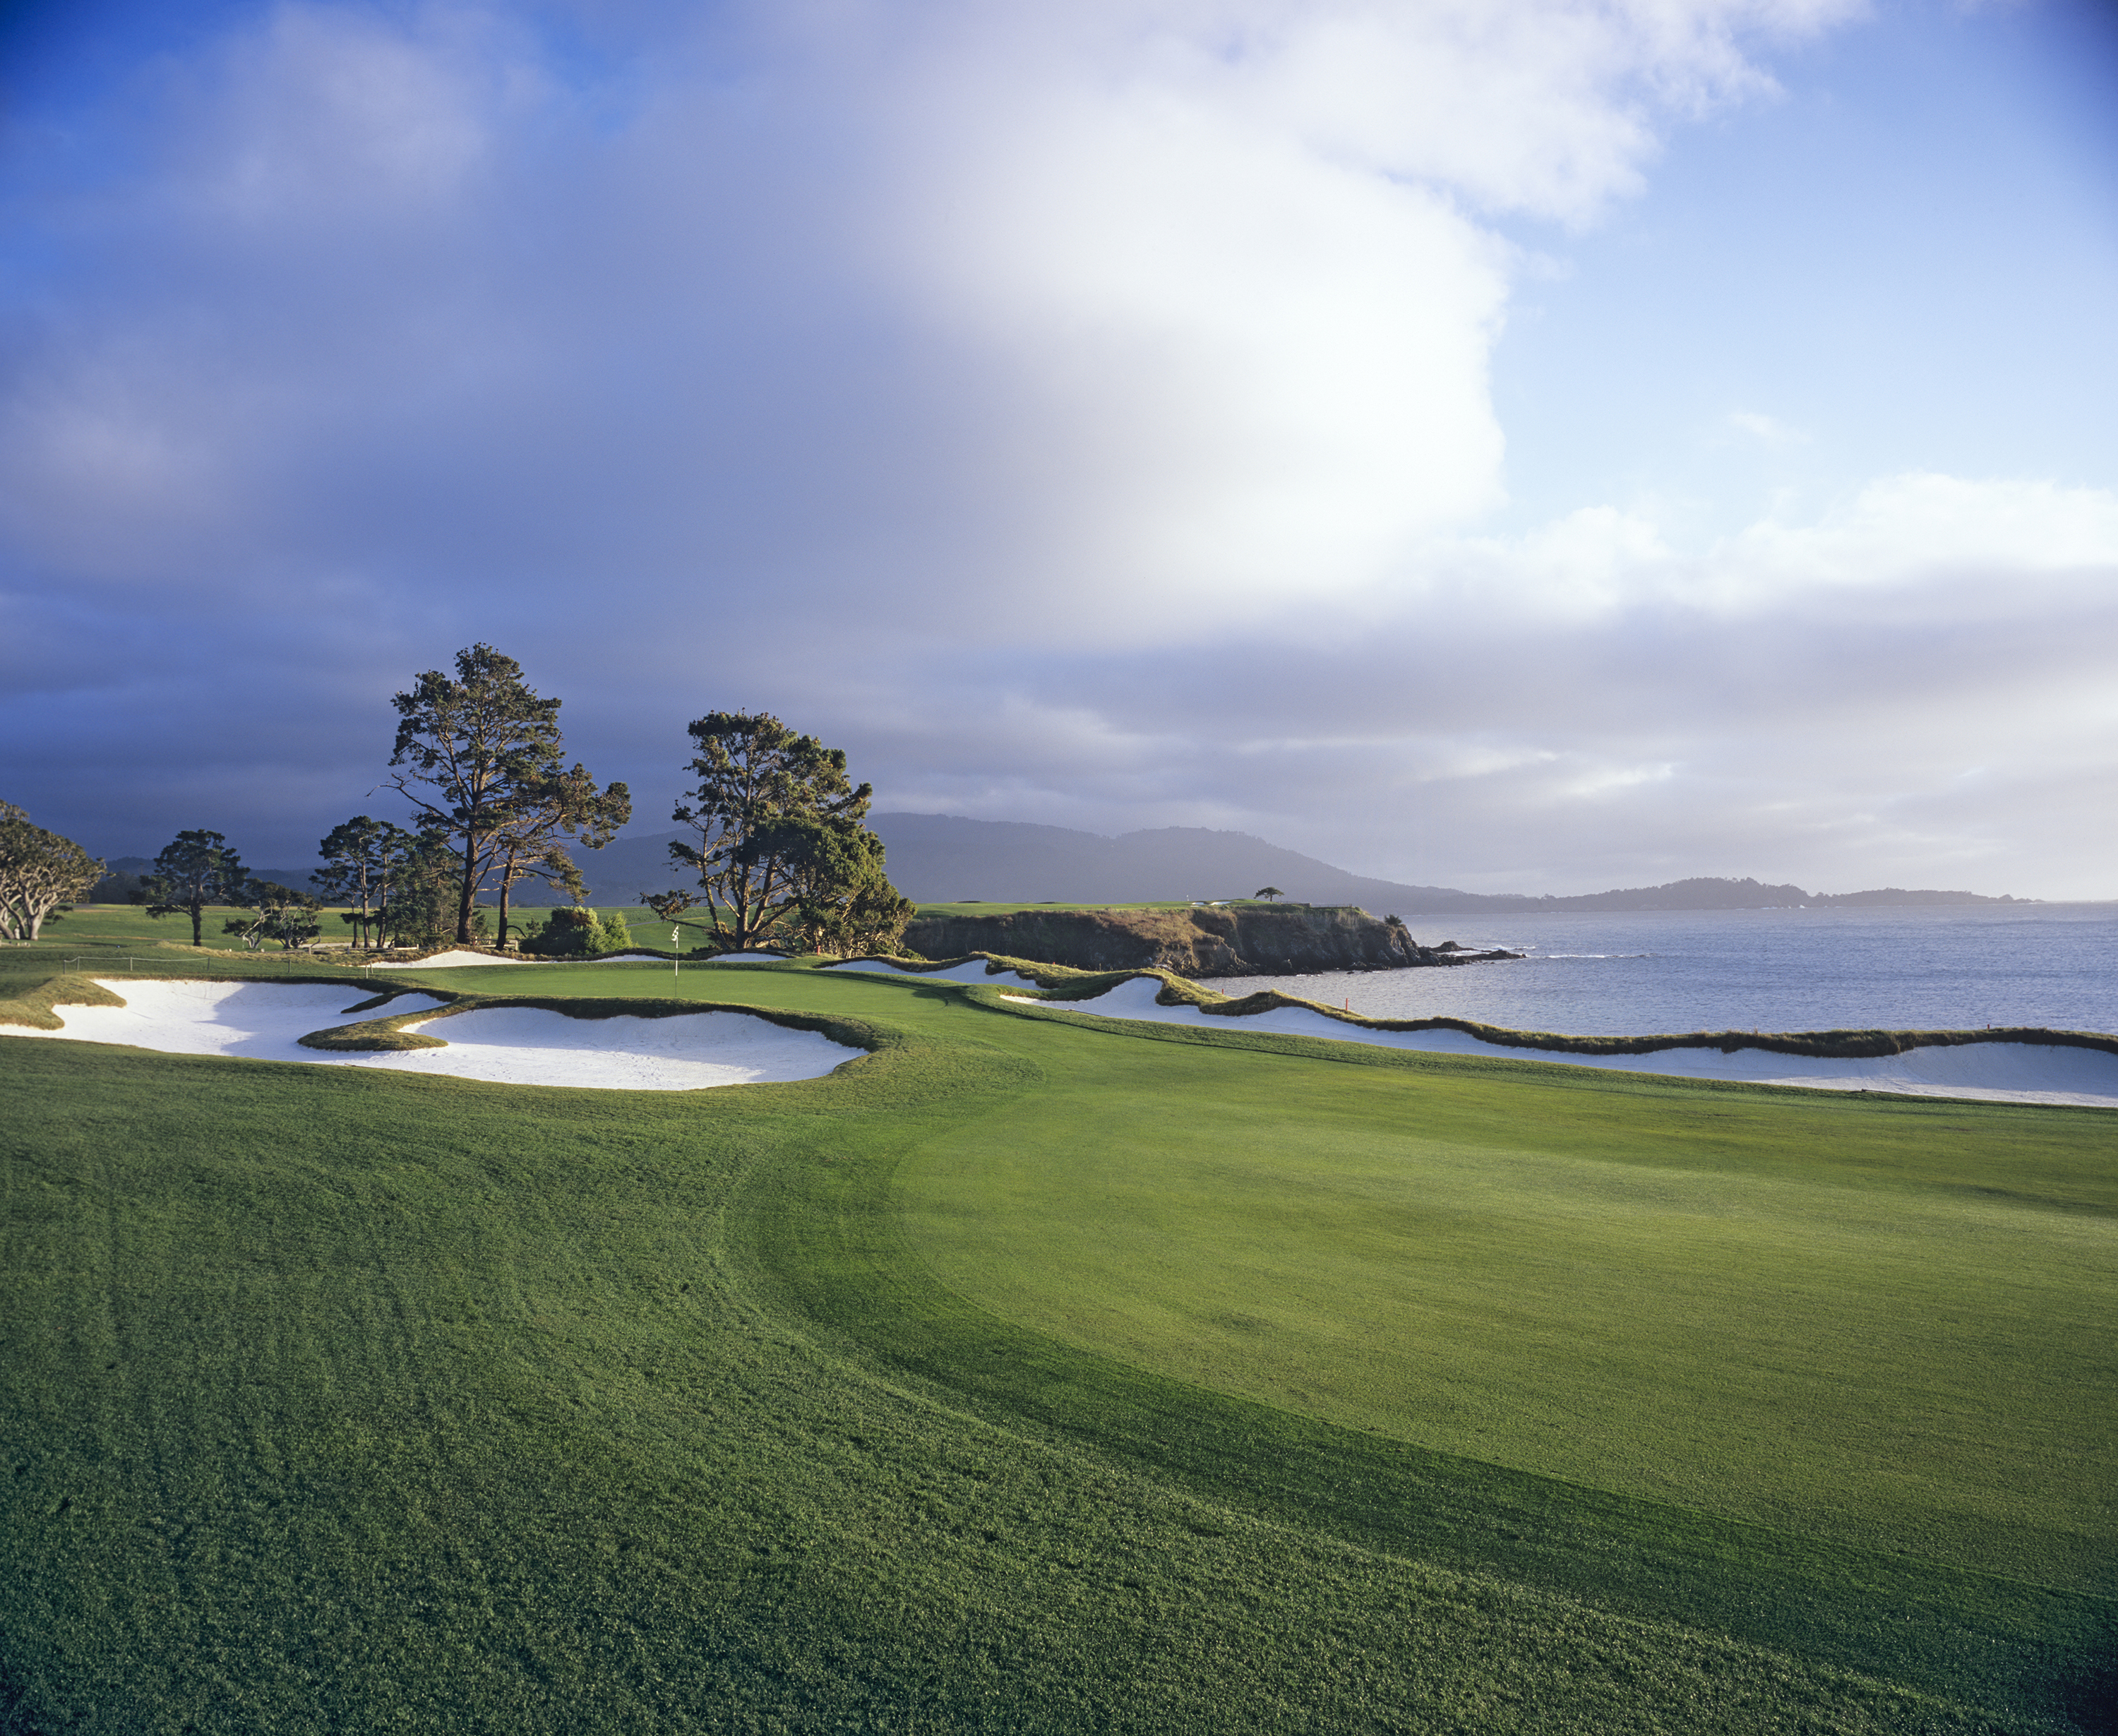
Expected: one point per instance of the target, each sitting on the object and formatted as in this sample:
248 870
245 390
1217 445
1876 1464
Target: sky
1519 445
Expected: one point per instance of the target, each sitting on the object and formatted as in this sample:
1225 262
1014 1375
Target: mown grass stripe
830 1241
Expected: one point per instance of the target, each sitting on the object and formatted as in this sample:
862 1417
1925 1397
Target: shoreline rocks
1201 942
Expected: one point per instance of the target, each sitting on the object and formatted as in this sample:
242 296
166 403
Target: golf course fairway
1034 1373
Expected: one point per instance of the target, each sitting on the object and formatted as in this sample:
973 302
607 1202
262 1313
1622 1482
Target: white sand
261 1019
448 960
1998 1072
506 1045
972 970
685 1052
629 958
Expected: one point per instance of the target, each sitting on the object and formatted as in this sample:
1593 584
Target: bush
617 935
571 931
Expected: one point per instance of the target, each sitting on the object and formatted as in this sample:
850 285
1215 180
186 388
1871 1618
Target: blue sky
1904 260
1523 445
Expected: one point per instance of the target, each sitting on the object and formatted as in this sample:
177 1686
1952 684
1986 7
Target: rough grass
127 924
350 1401
32 1001
102 925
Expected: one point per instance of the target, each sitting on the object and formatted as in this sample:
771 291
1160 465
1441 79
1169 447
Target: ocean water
1643 972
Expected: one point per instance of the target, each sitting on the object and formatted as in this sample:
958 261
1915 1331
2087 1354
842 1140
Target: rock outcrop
1200 943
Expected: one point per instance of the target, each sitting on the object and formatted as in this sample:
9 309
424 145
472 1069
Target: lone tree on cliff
779 837
40 871
1268 893
194 870
480 763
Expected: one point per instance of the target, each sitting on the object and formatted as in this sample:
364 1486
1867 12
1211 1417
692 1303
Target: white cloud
1912 689
1925 531
1164 304
1766 430
1229 262
1079 412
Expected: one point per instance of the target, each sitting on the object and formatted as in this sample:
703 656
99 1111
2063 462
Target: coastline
1623 974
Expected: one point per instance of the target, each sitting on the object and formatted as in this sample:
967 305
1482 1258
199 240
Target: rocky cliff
1192 943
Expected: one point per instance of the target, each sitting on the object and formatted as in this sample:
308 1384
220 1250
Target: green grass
934 1396
974 907
106 924
1884 1325
28 971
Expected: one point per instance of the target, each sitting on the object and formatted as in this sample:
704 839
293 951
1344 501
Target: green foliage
573 930
196 869
418 906
39 872
527 846
761 790
842 902
277 912
479 761
616 934
360 857
119 886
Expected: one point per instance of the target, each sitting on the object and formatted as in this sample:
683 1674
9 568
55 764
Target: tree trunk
198 921
506 886
467 896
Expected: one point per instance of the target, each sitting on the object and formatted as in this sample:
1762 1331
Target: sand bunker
448 960
629 958
972 970
2000 1073
259 1020
685 1052
505 1045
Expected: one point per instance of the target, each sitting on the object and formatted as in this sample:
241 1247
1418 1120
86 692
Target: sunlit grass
953 1391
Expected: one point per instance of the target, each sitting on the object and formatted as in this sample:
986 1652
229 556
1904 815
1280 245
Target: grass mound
33 1003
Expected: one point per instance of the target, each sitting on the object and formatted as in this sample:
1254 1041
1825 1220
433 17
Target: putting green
1692 1295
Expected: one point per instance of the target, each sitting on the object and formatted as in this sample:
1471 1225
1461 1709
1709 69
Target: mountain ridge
943 859
933 858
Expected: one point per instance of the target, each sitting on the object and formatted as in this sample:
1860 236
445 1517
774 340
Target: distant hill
941 859
122 874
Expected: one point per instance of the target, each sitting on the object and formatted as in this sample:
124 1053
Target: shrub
571 931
